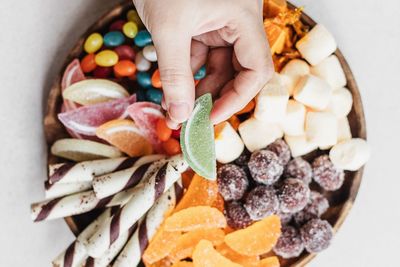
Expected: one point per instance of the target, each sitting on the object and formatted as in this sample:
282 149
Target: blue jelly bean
114 38
154 95
201 73
144 79
141 95
143 38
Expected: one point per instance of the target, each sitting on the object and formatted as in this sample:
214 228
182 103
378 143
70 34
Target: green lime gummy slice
197 139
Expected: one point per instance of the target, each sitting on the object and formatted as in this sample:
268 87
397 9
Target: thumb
173 54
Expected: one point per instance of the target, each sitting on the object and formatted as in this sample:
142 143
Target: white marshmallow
331 71
299 145
351 154
341 102
272 100
344 131
317 45
257 134
149 53
321 129
228 144
293 124
313 92
294 69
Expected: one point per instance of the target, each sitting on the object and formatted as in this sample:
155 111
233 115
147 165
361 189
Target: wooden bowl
341 201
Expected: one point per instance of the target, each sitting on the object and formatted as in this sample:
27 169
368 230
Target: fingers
198 55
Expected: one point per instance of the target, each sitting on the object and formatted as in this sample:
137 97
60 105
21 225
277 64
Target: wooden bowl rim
55 95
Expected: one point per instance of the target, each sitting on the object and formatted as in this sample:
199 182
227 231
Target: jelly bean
88 64
113 39
125 52
176 133
149 52
141 95
163 131
171 147
102 72
143 38
124 68
93 43
117 25
106 58
154 95
201 73
142 64
130 29
133 16
155 79
143 79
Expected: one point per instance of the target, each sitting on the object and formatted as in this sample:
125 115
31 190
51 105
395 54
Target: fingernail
178 111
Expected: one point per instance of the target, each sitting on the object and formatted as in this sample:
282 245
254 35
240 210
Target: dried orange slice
269 262
183 264
126 136
204 255
201 192
188 241
257 239
161 263
218 203
193 218
236 257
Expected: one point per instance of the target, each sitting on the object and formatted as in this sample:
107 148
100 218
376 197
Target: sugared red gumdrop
232 182
261 202
236 216
243 159
286 218
300 169
316 235
317 205
289 244
281 149
264 167
326 174
293 195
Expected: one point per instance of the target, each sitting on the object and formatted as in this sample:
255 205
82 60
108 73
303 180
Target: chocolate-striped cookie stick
75 254
143 197
64 189
109 184
133 250
86 170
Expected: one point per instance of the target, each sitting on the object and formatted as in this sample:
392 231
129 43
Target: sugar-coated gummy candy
200 74
102 72
286 218
124 68
125 52
143 38
261 202
88 63
243 159
293 195
117 25
316 235
236 215
130 29
232 182
106 58
143 78
142 64
281 149
93 43
265 167
300 169
289 244
154 95
326 174
114 39
317 205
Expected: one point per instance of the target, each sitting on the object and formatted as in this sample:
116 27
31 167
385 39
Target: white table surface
34 39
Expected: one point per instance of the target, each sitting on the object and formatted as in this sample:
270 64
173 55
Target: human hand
227 34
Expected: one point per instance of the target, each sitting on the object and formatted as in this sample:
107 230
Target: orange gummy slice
256 239
204 255
276 36
161 263
183 264
160 246
126 136
219 203
248 261
187 242
269 262
187 178
193 218
201 192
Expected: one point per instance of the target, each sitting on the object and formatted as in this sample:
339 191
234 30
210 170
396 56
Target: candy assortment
253 195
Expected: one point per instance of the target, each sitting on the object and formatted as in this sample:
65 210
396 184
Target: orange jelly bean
163 132
88 64
125 68
155 79
171 147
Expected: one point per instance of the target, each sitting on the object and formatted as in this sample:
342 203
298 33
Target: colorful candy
155 79
93 43
114 39
143 38
88 63
172 147
149 53
142 64
117 25
106 58
102 72
130 29
133 16
143 79
200 74
124 68
154 95
163 131
125 52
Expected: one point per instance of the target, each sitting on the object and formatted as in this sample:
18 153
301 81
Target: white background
36 35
